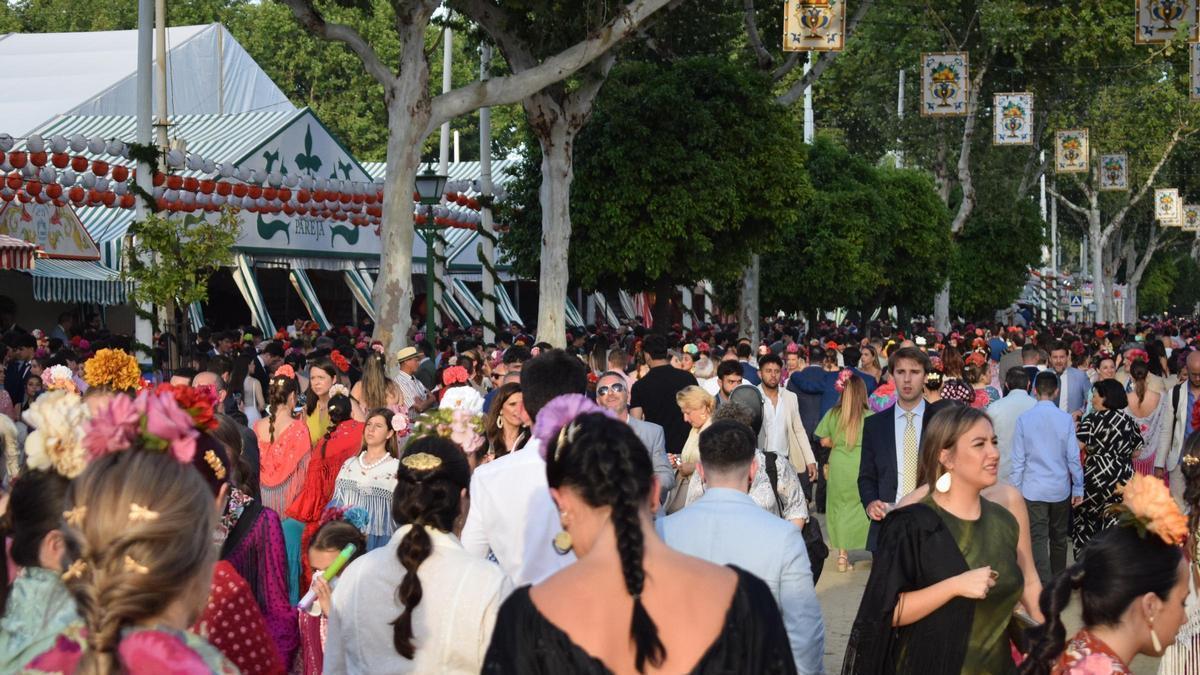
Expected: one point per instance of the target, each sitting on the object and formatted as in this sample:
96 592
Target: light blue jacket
726 527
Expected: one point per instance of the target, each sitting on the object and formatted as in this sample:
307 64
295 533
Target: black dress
752 641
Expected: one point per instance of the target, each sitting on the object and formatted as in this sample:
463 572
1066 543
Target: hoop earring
499 422
943 483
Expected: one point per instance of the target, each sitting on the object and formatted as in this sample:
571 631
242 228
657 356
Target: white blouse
452 627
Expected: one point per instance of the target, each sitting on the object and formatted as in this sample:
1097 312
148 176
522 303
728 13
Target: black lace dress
752 641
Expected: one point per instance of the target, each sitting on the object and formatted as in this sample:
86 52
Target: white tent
44 75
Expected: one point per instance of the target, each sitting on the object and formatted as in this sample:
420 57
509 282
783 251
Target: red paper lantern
255 191
24 197
100 167
318 195
17 160
360 198
191 184
288 209
76 194
79 163
270 193
60 160
174 182
120 173
161 204
7 196
38 158
207 186
54 191
345 198
33 187
13 181
224 188
109 198
93 197
159 180
284 194
303 196
127 201
239 190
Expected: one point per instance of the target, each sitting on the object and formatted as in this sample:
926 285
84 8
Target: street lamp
430 186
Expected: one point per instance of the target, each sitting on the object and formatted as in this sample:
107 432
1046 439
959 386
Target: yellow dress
318 424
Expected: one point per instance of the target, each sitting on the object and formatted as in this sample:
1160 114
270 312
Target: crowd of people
637 501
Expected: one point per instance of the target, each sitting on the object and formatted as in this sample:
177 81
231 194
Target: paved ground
840 594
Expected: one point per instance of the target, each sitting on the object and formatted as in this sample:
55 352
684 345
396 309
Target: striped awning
606 308
457 312
247 283
466 298
308 296
572 315
361 287
506 307
77 281
16 254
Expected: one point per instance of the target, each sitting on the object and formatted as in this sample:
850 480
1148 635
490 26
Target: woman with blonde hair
945 578
375 389
696 405
840 430
142 522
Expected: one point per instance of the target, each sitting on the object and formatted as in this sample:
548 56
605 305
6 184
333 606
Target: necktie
908 479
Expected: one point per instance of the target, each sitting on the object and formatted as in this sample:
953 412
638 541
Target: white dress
369 487
1183 657
452 627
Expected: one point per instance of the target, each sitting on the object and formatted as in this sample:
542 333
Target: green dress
847 521
39 608
989 540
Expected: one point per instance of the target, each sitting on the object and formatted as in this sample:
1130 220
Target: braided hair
339 411
1115 569
428 494
280 389
604 461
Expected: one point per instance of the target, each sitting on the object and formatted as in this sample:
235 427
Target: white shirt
1064 384
452 626
513 517
411 390
774 425
1004 414
901 425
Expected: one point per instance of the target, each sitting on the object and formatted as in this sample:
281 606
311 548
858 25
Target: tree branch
792 60
311 19
1034 168
498 23
1119 218
765 60
1067 202
965 177
794 92
513 88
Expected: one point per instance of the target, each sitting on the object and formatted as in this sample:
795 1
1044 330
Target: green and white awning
361 287
243 276
456 310
466 298
308 296
573 317
609 315
505 306
77 281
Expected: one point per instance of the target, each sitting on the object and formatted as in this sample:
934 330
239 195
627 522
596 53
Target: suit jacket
878 475
727 527
14 380
1079 389
653 437
427 373
260 374
1172 427
800 451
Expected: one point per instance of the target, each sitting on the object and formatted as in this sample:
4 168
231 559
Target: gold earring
562 541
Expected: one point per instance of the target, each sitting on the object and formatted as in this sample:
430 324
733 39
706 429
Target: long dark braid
604 460
1052 635
340 410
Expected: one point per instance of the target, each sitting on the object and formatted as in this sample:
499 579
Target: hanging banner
944 84
1071 151
1191 217
1167 209
1114 172
1158 21
1194 57
57 231
1013 123
814 25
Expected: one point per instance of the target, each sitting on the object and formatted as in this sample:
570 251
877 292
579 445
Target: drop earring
562 542
943 483
1154 641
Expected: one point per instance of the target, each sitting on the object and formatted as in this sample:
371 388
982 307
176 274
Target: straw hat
406 354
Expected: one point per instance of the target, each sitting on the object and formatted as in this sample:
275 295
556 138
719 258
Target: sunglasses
497 376
616 388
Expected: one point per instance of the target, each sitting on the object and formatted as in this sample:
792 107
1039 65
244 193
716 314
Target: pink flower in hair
113 428
166 420
843 377
559 412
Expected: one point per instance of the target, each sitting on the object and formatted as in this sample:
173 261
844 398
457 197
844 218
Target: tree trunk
408 120
748 316
555 198
1097 255
1131 303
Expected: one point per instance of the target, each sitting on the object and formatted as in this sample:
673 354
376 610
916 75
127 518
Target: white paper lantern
78 143
202 199
175 158
171 195
102 183
248 202
120 188
159 192
194 162
291 180
187 197
96 145
35 143
6 142
115 147
275 179
225 169
218 200
243 174
88 180
67 178
47 174
209 167
58 143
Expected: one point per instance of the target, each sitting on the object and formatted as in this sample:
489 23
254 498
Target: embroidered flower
112 369
58 419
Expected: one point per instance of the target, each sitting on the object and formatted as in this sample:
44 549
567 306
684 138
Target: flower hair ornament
57 442
59 377
1137 355
154 421
460 426
339 389
377 347
454 375
339 361
112 369
284 372
355 515
843 377
1147 505
401 424
422 463
560 412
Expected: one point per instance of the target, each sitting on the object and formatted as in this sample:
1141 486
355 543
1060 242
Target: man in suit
725 526
1074 388
782 431
891 442
269 359
612 393
1176 426
21 346
512 515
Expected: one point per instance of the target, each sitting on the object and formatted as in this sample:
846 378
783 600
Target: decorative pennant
814 25
1071 151
1158 21
1167 209
944 84
1114 172
1194 82
1013 119
1191 217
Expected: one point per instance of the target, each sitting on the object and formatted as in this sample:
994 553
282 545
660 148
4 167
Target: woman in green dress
840 430
945 579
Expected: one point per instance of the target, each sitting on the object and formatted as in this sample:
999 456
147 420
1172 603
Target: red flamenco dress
323 466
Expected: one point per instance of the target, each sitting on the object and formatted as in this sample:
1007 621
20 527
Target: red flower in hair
454 375
195 401
340 361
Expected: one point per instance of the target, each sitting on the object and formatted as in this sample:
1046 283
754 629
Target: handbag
814 539
677 499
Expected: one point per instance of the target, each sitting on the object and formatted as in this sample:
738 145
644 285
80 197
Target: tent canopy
52 74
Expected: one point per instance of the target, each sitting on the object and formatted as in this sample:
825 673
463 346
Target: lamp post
430 186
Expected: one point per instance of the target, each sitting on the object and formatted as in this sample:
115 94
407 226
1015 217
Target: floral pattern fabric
1087 655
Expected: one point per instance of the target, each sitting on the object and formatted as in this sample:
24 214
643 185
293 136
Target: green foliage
175 257
982 281
1154 293
1186 293
683 172
869 237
